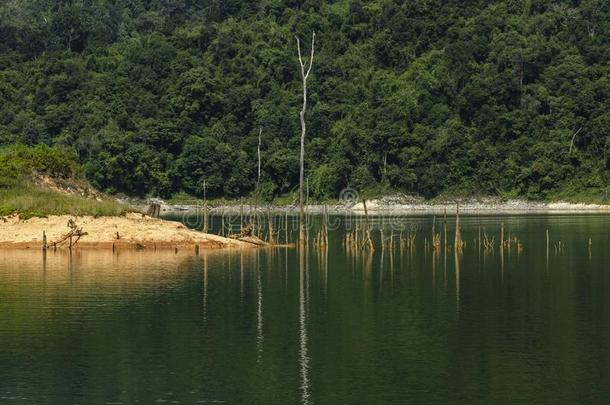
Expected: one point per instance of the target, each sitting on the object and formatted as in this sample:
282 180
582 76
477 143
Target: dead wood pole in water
433 230
286 227
547 245
502 236
325 226
307 224
487 242
445 230
270 220
322 233
241 214
519 248
502 246
458 234
304 76
368 239
436 238
251 216
590 246
278 227
222 222
44 241
205 218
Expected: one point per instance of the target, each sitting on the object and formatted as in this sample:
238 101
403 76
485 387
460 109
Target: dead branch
73 236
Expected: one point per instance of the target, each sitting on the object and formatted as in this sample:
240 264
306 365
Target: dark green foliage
18 160
426 97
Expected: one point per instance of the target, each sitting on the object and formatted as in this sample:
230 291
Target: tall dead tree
258 152
305 71
254 215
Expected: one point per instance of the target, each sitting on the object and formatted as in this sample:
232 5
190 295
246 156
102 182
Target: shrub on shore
20 194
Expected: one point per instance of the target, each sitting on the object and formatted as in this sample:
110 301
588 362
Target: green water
319 326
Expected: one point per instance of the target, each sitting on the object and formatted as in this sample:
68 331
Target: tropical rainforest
427 97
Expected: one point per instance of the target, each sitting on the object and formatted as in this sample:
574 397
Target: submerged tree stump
154 210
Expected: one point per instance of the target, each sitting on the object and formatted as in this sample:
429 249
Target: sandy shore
129 231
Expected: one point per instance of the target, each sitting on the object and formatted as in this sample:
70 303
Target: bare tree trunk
304 77
258 179
205 210
572 141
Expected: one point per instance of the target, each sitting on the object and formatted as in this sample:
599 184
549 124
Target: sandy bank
129 231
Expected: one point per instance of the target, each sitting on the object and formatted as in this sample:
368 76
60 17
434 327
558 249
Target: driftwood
72 237
255 240
246 230
247 235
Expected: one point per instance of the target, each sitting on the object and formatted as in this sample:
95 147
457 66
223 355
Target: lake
326 325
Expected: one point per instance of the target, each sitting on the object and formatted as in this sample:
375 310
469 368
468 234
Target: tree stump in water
154 210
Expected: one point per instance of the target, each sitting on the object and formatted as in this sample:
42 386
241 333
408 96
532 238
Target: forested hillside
504 97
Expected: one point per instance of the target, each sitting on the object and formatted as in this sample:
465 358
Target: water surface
317 325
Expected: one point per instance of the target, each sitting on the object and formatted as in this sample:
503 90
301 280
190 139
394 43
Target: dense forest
430 97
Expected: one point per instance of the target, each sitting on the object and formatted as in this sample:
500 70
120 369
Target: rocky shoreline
393 206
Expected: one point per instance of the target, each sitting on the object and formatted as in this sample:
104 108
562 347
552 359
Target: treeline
155 97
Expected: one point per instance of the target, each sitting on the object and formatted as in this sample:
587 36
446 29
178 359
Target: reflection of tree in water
205 288
457 281
259 311
303 302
